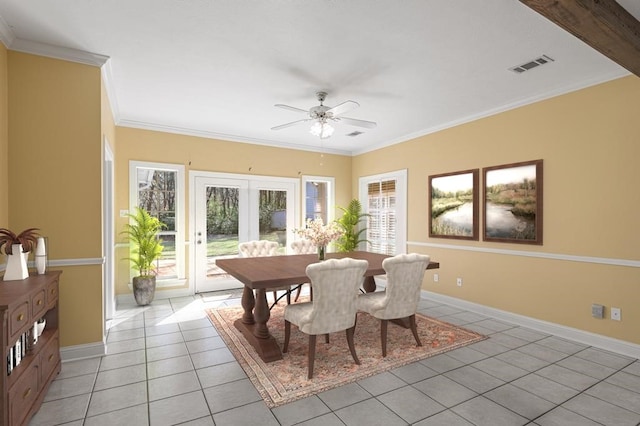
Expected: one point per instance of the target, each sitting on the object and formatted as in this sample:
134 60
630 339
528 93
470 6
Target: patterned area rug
285 381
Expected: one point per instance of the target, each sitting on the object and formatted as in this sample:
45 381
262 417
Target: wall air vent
544 59
355 133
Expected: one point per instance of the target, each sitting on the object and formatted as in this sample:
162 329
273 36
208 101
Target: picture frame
512 195
454 205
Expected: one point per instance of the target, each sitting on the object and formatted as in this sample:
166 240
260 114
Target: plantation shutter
381 227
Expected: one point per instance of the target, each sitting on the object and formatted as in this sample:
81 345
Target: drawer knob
26 394
20 317
39 302
50 357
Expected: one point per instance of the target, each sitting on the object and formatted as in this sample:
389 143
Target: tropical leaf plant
350 224
28 238
146 247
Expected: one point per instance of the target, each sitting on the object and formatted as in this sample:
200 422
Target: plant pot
144 288
16 264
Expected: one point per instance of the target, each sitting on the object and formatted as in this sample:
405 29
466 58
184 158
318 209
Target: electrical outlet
436 278
459 282
124 213
616 314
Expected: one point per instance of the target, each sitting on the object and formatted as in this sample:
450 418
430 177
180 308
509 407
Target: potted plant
146 248
17 248
349 223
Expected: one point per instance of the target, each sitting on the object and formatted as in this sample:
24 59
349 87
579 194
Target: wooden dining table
260 274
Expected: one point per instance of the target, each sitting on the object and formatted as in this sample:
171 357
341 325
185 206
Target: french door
230 209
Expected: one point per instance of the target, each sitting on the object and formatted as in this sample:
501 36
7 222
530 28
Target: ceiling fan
321 115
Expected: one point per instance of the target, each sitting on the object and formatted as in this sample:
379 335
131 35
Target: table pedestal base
267 348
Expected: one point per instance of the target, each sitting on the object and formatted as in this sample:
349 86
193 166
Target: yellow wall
590 147
106 118
4 142
202 154
55 175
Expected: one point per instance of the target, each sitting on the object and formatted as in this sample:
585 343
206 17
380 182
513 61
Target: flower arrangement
319 233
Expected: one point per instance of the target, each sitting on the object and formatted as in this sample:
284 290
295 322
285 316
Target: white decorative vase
16 264
41 256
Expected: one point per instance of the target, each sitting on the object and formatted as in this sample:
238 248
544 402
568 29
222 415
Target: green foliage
146 247
349 223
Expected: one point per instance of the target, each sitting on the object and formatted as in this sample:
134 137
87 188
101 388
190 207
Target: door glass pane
273 217
316 201
222 226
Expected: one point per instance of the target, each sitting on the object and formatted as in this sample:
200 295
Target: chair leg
288 297
352 348
414 329
326 338
275 297
298 293
287 333
312 354
383 336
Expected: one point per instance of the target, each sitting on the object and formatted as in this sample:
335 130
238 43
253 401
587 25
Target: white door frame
108 238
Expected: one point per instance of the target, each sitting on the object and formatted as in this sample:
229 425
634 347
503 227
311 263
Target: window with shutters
383 198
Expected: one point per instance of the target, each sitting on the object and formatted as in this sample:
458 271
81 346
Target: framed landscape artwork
513 203
453 205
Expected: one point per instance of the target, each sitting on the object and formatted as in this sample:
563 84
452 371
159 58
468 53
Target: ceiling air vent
355 133
544 59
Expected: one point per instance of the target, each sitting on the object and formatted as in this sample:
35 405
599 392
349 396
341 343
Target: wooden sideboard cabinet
23 303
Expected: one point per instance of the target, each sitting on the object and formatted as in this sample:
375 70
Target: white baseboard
160 294
599 341
90 350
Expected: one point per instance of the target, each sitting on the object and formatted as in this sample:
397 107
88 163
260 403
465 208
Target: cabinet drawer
19 318
52 293
23 394
49 358
38 305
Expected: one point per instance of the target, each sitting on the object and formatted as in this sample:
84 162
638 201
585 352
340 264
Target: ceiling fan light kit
320 115
322 129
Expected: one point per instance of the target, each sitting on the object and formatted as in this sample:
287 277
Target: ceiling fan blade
290 108
359 123
346 106
293 123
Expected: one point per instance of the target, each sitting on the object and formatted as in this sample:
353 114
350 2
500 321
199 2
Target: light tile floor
167 365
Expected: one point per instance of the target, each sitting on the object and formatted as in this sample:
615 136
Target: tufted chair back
259 248
404 281
304 247
335 285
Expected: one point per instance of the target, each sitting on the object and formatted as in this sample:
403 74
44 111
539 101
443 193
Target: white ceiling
215 68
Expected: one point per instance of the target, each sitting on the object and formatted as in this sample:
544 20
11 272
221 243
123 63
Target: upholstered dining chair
303 247
335 283
260 248
401 296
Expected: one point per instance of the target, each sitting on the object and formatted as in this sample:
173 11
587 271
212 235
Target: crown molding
6 33
224 137
57 52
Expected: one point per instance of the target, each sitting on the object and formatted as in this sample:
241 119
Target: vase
16 264
41 256
144 289
321 252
